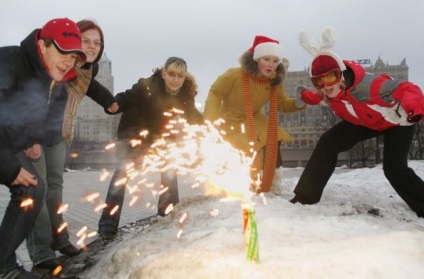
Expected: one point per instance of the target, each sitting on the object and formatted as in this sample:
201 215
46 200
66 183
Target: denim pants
116 194
45 237
342 137
18 222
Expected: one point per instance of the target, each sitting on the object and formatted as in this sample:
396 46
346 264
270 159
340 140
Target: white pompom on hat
264 46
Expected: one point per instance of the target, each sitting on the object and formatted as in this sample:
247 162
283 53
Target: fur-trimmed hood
251 67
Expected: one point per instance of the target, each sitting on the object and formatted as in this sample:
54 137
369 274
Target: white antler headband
328 39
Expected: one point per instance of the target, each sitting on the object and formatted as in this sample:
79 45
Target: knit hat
322 65
264 46
65 34
325 59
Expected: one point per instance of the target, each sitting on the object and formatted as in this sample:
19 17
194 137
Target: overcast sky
210 35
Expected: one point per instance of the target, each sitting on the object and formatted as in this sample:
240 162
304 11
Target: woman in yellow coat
239 96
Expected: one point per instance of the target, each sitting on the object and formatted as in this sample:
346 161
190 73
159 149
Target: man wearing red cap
239 95
369 106
31 78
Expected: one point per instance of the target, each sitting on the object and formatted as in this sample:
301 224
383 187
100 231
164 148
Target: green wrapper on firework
250 231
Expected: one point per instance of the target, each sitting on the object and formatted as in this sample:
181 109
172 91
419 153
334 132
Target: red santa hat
264 46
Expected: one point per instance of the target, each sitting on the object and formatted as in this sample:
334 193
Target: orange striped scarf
76 88
272 133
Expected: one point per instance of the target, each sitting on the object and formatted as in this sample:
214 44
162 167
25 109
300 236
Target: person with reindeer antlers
369 106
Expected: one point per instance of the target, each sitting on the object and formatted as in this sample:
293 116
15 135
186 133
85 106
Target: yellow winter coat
225 100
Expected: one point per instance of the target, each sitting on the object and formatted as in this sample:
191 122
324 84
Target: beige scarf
271 147
76 88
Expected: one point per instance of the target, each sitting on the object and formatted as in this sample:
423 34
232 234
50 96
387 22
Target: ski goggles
327 79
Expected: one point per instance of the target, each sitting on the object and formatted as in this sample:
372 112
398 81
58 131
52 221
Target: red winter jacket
374 101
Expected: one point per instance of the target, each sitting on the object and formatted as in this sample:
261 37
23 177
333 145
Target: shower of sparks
200 151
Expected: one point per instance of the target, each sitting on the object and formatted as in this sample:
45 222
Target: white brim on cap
268 49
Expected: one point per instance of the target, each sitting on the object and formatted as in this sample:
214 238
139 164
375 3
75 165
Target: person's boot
70 250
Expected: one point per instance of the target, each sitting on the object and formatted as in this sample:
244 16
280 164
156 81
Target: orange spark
100 207
81 240
163 190
110 145
133 189
182 219
62 208
135 142
81 231
133 200
178 111
144 133
113 211
180 232
92 197
121 181
104 175
27 202
169 208
214 212
62 227
57 270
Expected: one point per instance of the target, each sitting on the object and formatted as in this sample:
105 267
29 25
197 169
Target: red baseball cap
65 34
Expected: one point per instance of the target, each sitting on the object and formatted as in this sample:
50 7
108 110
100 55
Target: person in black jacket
59 134
31 77
143 106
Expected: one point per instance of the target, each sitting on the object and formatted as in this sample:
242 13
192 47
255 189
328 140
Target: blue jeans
17 222
44 237
116 194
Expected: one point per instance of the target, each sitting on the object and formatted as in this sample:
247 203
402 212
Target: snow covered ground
360 229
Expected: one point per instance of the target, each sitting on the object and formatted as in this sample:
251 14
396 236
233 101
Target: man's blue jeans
17 221
45 236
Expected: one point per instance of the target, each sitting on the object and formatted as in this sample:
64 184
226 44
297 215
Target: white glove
299 103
